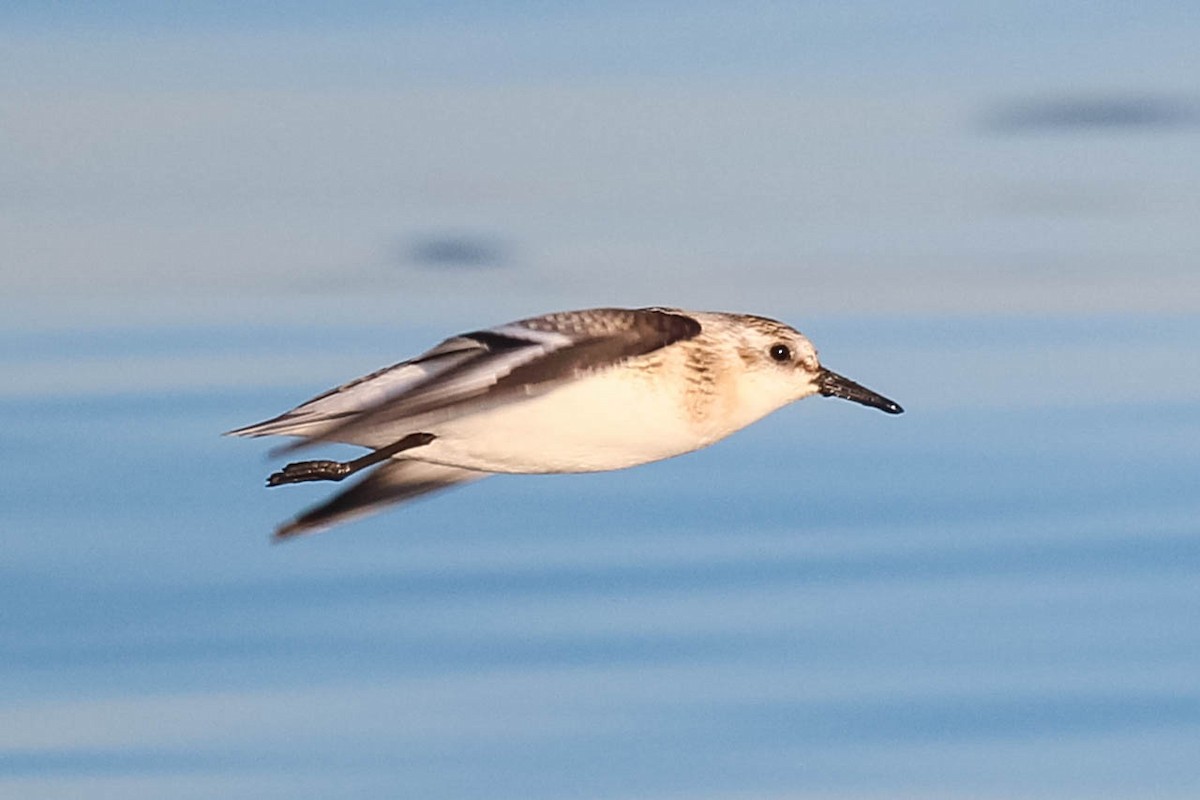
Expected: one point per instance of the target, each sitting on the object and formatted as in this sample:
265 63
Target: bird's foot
301 471
324 470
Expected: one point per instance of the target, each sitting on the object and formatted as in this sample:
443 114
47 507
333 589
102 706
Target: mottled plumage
575 391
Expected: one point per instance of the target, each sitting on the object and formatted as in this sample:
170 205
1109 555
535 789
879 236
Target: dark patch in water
1091 113
457 251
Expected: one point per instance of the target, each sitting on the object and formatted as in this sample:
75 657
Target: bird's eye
781 353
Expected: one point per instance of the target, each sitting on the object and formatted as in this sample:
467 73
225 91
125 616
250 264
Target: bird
567 392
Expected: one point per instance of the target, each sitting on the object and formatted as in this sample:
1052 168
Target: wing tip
396 481
294 529
265 428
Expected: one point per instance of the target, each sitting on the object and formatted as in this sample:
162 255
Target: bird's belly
602 423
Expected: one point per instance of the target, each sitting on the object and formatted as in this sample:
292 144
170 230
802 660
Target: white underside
607 421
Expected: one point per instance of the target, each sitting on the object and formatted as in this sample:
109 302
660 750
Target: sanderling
574 391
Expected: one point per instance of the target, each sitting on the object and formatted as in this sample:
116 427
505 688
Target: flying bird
573 391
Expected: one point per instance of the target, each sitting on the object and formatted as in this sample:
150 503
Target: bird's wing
391 483
370 390
468 372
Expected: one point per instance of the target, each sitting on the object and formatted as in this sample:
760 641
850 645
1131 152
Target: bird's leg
324 470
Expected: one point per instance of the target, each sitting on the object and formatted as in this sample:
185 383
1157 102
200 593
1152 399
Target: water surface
992 595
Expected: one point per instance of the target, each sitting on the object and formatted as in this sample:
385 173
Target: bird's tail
392 482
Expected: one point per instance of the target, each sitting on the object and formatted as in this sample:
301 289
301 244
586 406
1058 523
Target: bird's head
781 366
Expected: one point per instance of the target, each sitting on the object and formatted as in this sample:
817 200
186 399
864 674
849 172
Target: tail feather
392 482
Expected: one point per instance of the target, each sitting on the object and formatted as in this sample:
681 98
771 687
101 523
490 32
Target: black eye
781 353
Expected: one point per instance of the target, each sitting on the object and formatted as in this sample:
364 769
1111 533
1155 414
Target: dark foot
302 471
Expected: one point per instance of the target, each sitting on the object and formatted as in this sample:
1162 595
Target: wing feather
368 391
390 483
476 370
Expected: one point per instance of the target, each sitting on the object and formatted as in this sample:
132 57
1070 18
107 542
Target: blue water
995 594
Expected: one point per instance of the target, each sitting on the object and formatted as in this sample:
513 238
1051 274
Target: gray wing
468 372
390 483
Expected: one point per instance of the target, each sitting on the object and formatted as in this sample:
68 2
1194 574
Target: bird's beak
830 384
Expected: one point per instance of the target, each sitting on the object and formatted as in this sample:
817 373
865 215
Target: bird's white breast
614 419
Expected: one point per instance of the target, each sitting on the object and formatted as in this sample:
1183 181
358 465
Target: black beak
830 384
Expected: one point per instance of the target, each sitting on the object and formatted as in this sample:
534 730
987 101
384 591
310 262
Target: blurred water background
987 212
